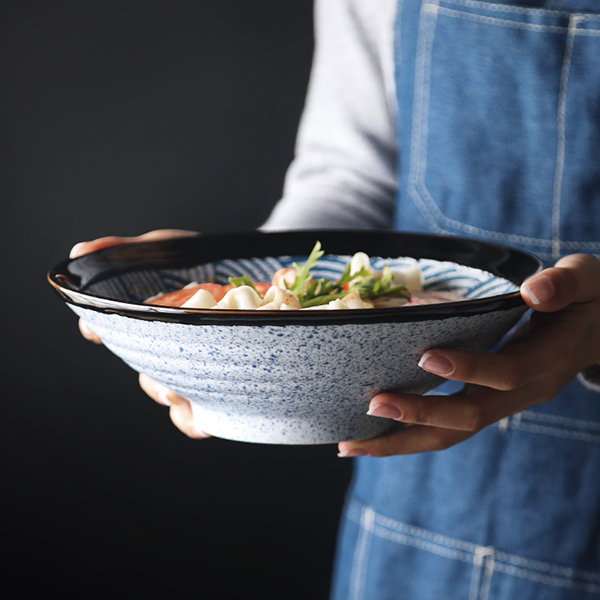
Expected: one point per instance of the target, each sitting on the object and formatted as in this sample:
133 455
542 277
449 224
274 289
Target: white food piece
411 278
201 299
351 300
359 261
284 277
150 299
243 297
277 298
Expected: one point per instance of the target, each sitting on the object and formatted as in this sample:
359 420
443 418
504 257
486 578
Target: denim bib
499 139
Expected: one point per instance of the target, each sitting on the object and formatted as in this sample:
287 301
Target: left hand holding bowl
180 410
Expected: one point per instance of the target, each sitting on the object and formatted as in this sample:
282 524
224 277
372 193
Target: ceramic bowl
291 377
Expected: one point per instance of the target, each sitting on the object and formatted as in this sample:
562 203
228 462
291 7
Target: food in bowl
295 288
292 376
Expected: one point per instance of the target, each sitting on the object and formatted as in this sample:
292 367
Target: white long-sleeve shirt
344 171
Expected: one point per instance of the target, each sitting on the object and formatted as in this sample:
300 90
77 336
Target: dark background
118 118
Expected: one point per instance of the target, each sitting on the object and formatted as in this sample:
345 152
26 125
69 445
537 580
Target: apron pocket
426 565
505 127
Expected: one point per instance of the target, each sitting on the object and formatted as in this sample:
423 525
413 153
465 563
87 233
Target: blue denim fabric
499 137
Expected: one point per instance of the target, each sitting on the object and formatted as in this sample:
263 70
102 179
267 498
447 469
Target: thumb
574 278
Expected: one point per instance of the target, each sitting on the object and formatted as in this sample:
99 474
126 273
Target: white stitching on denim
538 565
583 586
418 121
503 424
568 421
588 32
355 510
580 18
360 554
458 14
588 245
561 138
409 540
568 434
480 585
509 8
475 577
453 548
435 538
418 156
487 575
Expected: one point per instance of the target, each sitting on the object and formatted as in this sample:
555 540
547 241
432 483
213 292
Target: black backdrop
118 118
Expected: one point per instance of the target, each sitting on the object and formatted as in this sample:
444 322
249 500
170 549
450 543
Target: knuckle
510 375
565 280
475 420
416 412
467 370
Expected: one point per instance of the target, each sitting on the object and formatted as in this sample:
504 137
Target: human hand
563 339
180 410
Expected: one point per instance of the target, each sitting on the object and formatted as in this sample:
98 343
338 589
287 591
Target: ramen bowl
291 376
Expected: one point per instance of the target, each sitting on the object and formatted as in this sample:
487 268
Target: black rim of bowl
70 278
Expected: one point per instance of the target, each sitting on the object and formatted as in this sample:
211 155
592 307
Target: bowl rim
69 276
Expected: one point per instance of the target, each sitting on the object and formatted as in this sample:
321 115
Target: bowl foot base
293 431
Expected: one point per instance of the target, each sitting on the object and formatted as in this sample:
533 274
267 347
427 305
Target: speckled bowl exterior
289 377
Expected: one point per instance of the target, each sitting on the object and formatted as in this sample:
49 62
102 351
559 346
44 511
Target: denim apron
499 138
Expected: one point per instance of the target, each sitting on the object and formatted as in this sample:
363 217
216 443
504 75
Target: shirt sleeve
344 170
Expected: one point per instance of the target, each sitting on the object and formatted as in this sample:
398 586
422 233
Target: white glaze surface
291 384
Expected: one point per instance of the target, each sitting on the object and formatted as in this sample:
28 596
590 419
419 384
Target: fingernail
352 452
387 411
436 364
540 289
75 250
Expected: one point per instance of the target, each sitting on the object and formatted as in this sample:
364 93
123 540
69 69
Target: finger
164 234
556 343
405 440
504 371
82 248
87 332
507 370
183 418
470 410
574 278
180 410
450 412
433 423
159 393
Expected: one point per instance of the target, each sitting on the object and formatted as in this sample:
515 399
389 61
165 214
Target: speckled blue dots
291 384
